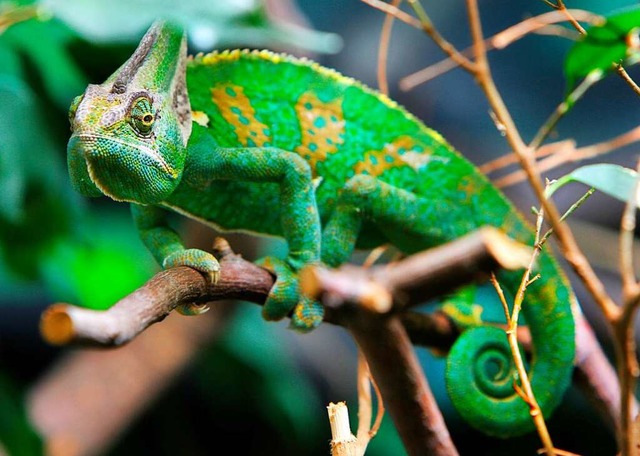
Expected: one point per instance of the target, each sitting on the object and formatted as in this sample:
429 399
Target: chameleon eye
142 116
73 108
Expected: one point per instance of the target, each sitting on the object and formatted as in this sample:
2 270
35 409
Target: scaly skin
280 146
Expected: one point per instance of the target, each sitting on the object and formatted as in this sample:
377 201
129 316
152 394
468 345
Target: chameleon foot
200 261
307 315
285 297
197 259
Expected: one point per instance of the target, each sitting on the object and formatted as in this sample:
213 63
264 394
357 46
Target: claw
215 276
192 309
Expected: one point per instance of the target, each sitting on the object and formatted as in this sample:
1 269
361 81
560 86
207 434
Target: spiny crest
231 55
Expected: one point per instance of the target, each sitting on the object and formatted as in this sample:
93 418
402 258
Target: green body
275 145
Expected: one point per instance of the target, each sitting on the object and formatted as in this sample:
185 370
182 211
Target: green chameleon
275 145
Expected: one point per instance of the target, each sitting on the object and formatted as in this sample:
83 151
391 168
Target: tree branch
414 279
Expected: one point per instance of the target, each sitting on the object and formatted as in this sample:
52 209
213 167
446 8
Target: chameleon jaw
122 171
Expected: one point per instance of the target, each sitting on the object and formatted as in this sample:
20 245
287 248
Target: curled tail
480 368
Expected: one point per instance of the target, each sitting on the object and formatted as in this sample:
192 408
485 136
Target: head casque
129 134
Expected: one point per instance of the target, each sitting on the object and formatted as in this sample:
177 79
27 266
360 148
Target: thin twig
569 211
383 49
563 108
427 27
570 249
625 345
498 41
560 6
526 391
366 429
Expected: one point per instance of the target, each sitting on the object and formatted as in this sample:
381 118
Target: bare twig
424 24
498 41
558 153
623 327
526 391
383 49
570 249
366 429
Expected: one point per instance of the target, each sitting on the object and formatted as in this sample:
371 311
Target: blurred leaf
16 435
105 262
613 180
44 44
37 206
614 41
209 24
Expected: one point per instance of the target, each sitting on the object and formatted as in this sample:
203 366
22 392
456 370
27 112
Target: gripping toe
197 259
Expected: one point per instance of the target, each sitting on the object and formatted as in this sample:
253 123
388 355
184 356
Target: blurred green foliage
615 41
16 435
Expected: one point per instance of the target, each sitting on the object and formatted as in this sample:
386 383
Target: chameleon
281 146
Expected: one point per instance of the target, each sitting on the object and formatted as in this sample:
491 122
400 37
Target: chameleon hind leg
408 221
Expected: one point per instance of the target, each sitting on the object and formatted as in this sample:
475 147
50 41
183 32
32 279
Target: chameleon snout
124 172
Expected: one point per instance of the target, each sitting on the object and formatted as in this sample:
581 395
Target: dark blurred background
190 386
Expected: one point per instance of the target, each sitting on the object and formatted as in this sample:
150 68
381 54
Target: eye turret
142 116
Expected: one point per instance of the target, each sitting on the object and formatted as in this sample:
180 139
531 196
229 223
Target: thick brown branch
66 324
397 371
420 277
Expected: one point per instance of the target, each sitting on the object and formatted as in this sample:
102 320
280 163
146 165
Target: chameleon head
129 134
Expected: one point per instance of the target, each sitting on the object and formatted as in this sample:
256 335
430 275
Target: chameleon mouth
146 154
120 170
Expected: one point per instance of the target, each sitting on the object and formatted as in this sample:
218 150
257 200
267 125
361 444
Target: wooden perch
475 255
420 277
402 383
63 324
414 279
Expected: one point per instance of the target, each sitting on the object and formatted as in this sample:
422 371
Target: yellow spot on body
321 127
468 186
403 151
464 318
200 117
236 109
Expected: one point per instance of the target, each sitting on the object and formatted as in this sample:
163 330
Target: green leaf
614 41
44 44
37 204
16 434
614 180
101 264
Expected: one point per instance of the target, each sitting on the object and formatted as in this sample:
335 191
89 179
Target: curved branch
63 324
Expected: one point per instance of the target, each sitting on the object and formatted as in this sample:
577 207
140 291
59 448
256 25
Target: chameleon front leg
299 219
167 248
